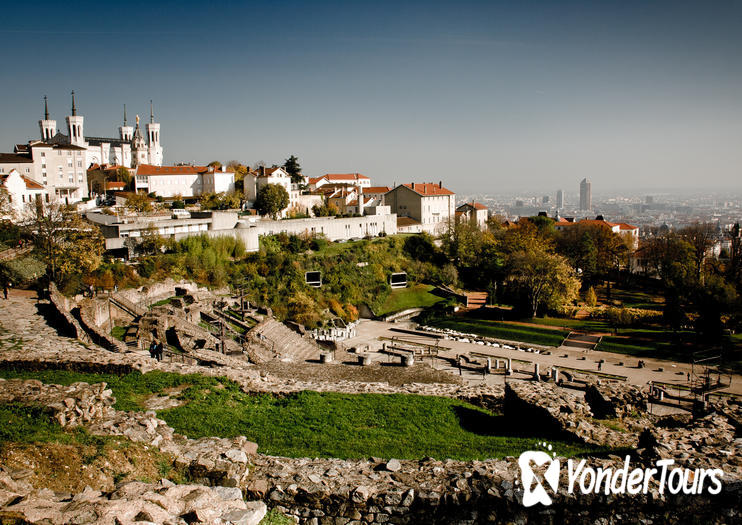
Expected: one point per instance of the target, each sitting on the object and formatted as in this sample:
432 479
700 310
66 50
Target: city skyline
518 97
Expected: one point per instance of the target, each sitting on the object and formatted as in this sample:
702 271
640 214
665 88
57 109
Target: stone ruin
376 490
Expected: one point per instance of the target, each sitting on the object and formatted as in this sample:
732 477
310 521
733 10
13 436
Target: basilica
129 149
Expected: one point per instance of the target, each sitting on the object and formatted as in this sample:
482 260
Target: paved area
23 325
369 332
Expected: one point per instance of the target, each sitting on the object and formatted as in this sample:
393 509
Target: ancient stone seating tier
287 343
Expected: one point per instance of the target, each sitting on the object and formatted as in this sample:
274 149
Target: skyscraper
586 198
560 199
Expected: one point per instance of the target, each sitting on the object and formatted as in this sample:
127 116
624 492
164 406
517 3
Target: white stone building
348 179
129 149
22 191
59 162
186 181
475 212
432 205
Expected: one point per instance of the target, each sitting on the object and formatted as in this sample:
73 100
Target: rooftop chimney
440 184
261 170
224 169
413 185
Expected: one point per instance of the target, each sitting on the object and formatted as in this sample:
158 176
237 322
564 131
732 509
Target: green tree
701 237
139 202
151 242
271 200
293 169
590 298
539 280
215 164
123 175
68 244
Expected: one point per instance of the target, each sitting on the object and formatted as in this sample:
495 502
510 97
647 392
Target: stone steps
287 343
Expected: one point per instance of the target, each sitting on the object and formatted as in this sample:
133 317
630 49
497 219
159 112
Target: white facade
22 191
130 149
432 205
186 181
349 179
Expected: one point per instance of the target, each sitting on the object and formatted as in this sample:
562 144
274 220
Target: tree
701 237
151 242
68 244
123 175
139 202
6 209
325 210
293 169
221 201
590 298
214 164
539 279
271 200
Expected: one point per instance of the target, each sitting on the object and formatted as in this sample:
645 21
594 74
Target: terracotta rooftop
428 189
148 169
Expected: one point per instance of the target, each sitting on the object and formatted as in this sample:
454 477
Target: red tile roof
32 184
343 176
407 221
376 189
148 169
428 189
474 205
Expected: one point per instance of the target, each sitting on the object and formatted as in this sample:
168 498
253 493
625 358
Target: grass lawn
631 298
162 302
500 330
119 332
571 324
311 424
417 296
645 342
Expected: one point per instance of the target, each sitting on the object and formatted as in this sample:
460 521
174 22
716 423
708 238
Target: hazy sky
485 96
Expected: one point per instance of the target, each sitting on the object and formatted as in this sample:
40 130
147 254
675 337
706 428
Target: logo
610 480
534 492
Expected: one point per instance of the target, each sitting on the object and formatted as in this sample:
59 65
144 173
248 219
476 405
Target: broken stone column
555 373
536 375
408 360
509 371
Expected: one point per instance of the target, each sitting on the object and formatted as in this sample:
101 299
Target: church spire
74 109
124 114
46 109
151 113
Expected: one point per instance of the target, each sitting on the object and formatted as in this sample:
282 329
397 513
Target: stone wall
62 309
94 316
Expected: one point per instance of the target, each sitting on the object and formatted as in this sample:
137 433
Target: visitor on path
159 351
6 290
600 365
153 349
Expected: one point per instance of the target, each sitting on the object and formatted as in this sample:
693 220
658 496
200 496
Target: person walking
153 349
6 290
159 351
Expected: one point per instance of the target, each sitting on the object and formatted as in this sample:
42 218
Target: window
69 153
43 154
43 165
79 164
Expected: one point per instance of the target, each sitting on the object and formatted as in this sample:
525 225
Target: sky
485 96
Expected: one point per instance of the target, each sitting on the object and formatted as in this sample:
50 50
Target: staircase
285 342
582 340
476 300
